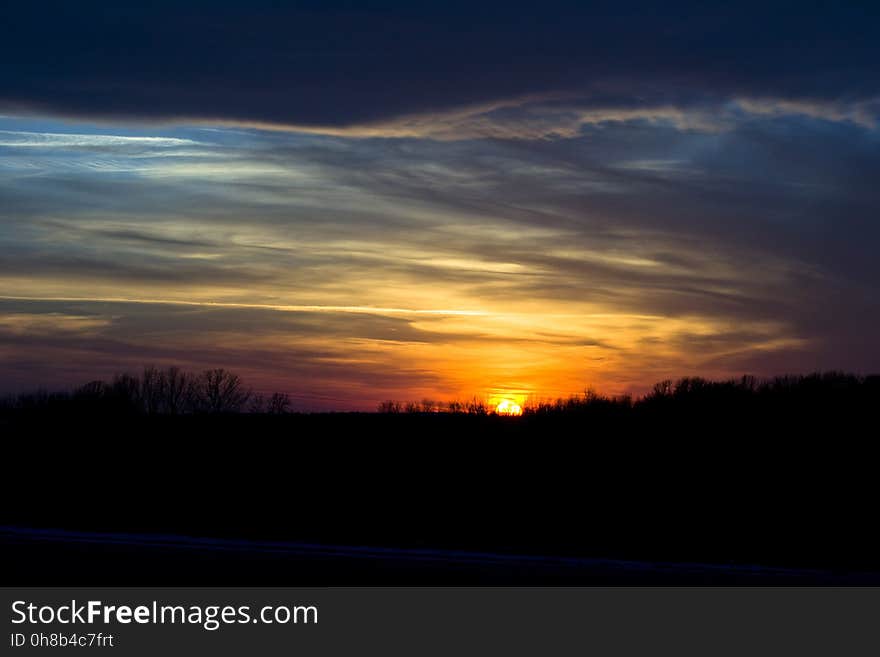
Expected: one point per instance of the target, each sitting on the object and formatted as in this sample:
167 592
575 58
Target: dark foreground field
711 491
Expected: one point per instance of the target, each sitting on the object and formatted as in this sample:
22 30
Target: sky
359 201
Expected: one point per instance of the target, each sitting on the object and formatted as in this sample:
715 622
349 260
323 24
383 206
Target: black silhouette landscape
696 482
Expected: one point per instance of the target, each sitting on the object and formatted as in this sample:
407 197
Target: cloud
306 260
863 113
22 139
332 65
325 360
352 203
512 119
364 310
529 119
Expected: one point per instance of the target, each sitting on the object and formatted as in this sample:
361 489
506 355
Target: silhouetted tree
176 391
279 403
92 391
151 390
221 391
476 407
661 390
390 406
126 389
257 404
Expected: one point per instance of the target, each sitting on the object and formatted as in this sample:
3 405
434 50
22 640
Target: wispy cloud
366 310
864 113
22 139
560 118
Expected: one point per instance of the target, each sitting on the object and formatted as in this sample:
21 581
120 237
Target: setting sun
508 407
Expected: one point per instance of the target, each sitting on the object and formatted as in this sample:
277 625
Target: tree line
160 391
821 388
173 391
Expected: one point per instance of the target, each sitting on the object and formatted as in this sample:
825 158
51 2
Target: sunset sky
351 202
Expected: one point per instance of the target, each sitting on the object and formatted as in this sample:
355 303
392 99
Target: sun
508 407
